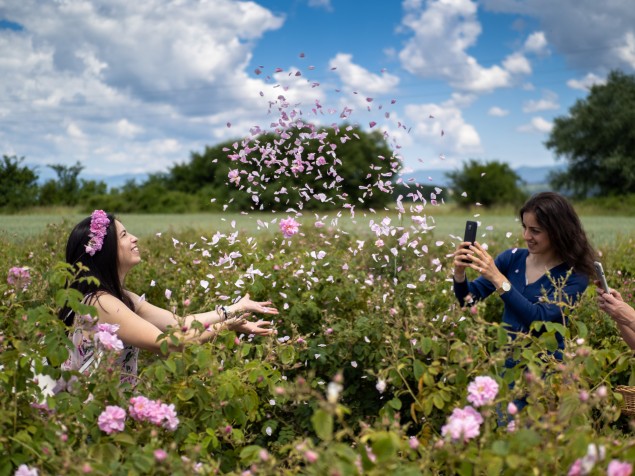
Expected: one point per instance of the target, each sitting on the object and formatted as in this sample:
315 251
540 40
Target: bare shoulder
137 301
108 303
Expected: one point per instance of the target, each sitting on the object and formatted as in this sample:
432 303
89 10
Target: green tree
597 139
365 167
18 184
489 183
65 190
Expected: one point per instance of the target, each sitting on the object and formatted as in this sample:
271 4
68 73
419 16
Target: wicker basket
628 407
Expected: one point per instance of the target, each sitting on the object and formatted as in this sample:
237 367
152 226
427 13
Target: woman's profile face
535 236
127 249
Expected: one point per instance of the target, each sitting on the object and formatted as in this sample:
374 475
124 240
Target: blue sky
134 87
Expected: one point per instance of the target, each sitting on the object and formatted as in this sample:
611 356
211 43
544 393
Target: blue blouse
524 303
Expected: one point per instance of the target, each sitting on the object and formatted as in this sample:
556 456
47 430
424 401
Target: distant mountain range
112 181
533 176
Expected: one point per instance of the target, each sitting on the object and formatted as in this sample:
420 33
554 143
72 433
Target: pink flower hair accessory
98 226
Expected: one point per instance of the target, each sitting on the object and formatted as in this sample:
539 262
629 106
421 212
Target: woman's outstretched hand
247 305
235 322
259 328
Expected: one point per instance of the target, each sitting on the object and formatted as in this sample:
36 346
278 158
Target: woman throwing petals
556 245
108 251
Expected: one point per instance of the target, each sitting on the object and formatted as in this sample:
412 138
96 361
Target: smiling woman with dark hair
558 251
108 251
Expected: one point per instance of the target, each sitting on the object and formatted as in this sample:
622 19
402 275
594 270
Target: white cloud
626 52
72 69
127 129
326 4
498 112
585 83
442 33
536 43
590 34
357 78
548 102
74 131
517 63
537 124
443 126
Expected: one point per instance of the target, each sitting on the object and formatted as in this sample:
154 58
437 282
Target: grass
602 229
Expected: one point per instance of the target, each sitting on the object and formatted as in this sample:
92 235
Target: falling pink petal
301 55
369 99
372 124
229 124
257 71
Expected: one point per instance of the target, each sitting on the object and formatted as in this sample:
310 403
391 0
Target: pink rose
111 419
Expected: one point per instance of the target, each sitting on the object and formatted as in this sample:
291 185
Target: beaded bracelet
225 312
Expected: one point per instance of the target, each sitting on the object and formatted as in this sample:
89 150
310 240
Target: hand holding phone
470 233
599 271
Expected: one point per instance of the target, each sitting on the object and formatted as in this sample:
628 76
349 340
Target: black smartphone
599 271
470 233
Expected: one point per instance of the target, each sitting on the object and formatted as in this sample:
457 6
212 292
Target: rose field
375 369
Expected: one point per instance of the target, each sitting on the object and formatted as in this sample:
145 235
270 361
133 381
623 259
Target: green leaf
418 368
159 373
466 468
287 354
170 364
591 366
395 403
250 454
143 463
494 466
385 445
323 424
245 350
500 448
426 345
124 438
514 461
105 452
185 394
209 440
501 336
438 401
583 331
568 405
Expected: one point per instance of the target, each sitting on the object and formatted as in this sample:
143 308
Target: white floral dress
84 357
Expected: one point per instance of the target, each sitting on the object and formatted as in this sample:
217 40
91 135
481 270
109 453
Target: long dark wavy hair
556 215
103 265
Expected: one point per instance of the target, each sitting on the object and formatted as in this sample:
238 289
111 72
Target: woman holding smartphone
557 249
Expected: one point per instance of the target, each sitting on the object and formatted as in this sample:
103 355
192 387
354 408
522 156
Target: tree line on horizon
596 139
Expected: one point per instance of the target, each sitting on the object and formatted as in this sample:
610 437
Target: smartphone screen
599 270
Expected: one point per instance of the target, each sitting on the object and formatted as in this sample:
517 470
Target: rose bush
374 370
